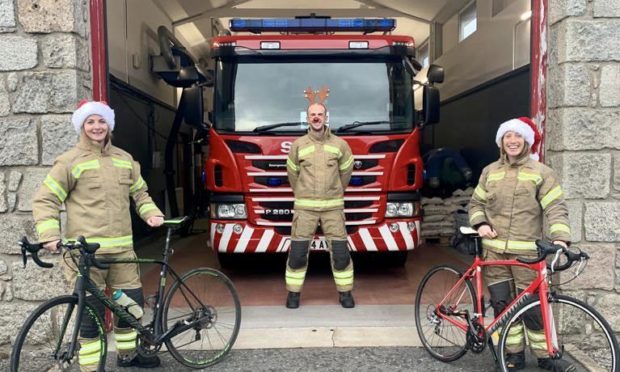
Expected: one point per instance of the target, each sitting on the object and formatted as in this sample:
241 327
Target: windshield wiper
267 127
356 124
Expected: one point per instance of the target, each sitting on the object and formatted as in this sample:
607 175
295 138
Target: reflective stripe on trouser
515 341
89 354
538 343
125 340
340 256
297 265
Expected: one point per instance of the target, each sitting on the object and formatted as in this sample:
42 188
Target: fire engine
259 109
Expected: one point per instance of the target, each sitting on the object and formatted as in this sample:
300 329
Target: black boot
346 299
292 300
556 365
137 360
515 361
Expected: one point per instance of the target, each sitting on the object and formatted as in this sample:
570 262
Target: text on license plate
318 245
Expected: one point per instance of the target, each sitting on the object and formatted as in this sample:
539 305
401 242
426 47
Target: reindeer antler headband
316 96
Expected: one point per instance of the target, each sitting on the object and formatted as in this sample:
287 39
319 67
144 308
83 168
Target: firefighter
319 168
94 180
507 208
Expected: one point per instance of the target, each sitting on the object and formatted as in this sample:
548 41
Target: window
468 22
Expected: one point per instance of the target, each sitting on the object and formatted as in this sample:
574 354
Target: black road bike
197 317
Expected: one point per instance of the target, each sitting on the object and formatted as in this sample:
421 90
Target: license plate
318 245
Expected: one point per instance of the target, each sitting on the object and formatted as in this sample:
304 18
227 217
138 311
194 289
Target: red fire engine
259 110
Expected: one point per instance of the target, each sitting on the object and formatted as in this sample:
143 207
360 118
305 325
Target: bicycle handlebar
546 248
81 244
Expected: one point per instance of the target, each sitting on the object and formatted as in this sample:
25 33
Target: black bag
462 243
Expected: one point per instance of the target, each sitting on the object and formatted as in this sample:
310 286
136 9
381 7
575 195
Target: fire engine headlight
228 211
395 209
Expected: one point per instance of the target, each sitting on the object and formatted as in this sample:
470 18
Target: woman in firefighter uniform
94 180
319 168
507 208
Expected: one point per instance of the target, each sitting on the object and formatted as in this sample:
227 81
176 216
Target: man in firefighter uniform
319 168
95 181
507 209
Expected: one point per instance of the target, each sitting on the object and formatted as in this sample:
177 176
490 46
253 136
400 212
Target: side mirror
193 106
430 104
435 74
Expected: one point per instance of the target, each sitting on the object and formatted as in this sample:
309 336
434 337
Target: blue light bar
312 25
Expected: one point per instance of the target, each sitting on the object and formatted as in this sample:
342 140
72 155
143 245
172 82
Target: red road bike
451 319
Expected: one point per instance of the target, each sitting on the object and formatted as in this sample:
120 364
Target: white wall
131 43
488 52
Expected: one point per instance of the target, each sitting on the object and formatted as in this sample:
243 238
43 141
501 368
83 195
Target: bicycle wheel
439 306
586 339
43 342
210 297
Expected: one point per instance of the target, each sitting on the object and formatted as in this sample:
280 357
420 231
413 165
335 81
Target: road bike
450 312
197 317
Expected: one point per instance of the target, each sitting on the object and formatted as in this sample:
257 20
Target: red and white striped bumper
240 237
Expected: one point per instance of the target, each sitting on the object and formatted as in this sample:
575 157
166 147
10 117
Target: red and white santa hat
87 108
527 129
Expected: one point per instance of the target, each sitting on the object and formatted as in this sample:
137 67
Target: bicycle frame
85 285
538 286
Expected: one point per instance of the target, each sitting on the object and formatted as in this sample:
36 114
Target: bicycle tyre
25 357
433 331
207 292
597 349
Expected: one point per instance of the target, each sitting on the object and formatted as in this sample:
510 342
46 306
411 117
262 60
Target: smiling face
95 128
513 144
316 117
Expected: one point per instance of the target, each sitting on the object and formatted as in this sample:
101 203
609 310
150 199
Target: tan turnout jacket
319 170
512 199
95 184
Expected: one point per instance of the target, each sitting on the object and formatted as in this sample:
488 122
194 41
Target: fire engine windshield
269 95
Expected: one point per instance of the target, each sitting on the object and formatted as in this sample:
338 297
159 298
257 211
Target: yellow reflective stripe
511 244
496 176
90 347
79 168
119 163
146 207
319 203
524 176
347 163
476 215
137 185
47 225
480 193
51 183
333 150
125 345
343 278
537 339
306 150
515 335
85 360
552 195
129 336
292 165
559 227
296 275
121 241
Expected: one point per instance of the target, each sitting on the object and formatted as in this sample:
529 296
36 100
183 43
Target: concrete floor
384 312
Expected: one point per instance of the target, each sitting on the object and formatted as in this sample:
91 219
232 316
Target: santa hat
87 108
527 129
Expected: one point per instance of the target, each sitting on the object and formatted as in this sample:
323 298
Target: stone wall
583 138
44 72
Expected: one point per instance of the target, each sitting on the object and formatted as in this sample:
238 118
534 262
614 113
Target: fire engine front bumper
242 237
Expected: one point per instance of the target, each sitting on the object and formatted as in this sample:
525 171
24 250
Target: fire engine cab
259 109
